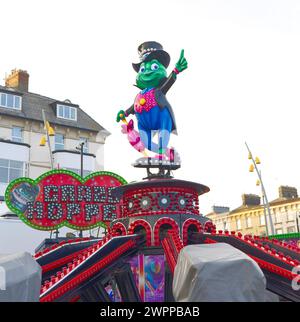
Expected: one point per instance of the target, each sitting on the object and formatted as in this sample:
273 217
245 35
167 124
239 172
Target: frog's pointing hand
182 64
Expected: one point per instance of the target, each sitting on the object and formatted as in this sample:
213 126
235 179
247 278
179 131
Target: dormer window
66 112
10 101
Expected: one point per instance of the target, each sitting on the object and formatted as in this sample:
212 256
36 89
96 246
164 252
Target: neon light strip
62 261
66 244
274 268
83 276
71 271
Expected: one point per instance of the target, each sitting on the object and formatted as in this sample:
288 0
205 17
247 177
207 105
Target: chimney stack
220 209
18 79
287 192
250 200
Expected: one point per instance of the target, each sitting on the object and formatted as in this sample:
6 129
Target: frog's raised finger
181 54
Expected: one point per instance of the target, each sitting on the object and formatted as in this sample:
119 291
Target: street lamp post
49 132
48 139
263 191
265 206
80 147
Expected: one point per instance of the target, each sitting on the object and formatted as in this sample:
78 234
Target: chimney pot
287 192
220 209
250 200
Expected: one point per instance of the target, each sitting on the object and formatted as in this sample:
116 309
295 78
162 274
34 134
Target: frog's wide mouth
150 76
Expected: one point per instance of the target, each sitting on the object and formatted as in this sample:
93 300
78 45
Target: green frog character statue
151 108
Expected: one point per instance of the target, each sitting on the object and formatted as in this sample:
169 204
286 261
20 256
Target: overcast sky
243 80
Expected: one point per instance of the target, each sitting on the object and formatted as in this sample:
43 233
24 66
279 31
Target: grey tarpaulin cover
217 272
20 278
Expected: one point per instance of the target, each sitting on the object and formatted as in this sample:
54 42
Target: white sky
242 83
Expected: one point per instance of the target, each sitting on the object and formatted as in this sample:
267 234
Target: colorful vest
145 101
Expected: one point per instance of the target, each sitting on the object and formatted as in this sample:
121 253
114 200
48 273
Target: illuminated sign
62 198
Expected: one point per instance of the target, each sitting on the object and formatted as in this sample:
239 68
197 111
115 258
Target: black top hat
152 50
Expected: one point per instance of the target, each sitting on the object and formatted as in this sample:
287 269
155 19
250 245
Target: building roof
33 104
275 202
242 208
280 201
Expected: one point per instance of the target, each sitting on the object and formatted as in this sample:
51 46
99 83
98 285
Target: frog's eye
154 66
142 69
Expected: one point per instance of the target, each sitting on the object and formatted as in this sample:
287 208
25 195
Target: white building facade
22 126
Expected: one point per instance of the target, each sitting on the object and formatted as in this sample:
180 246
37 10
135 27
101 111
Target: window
290 216
278 231
10 101
248 222
86 144
226 225
291 229
278 218
10 170
66 112
238 224
17 134
77 171
4 164
59 142
262 221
